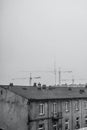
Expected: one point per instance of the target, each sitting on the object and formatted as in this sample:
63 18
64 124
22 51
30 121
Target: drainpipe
81 113
61 111
28 117
72 114
48 114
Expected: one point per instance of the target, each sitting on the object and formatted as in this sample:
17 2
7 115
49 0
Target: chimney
39 86
11 84
86 85
34 84
43 86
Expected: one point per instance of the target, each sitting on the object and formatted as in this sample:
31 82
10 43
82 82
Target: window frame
41 109
77 105
67 123
54 108
85 104
67 105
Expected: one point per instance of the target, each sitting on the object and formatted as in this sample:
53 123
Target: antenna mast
59 76
30 79
55 71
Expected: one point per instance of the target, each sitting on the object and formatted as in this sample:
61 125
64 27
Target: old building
42 108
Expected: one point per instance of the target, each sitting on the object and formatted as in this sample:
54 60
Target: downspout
48 114
61 112
81 113
28 116
72 113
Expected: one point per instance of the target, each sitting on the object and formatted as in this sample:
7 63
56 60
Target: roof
33 93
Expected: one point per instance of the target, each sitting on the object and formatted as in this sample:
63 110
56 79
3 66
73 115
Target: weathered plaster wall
13 110
16 110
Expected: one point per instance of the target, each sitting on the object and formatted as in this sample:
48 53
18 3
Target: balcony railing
56 116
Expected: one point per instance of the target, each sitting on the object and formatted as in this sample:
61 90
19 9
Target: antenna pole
73 80
59 76
30 79
55 75
55 72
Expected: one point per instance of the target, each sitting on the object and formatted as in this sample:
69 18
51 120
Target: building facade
42 108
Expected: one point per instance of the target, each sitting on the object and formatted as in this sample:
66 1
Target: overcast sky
36 33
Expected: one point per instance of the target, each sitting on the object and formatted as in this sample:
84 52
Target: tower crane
73 80
59 73
44 71
49 71
30 78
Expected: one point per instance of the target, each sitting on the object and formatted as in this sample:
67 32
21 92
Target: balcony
57 116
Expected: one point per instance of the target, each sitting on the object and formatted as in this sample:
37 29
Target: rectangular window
77 123
77 105
41 109
85 104
55 126
67 106
67 124
86 120
41 127
54 108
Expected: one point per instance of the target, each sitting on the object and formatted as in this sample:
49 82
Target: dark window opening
67 124
1 92
29 119
77 123
54 125
41 127
86 120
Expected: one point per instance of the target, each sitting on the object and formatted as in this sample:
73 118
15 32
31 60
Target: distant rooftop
42 93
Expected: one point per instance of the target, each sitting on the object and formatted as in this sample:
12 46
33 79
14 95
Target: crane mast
30 78
59 73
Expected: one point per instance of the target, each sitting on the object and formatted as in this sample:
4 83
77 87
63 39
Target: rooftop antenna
73 80
59 76
30 79
55 71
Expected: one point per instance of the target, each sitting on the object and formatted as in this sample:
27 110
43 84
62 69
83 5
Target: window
77 123
77 105
67 106
67 124
41 109
86 120
85 104
55 126
1 92
41 127
29 119
54 108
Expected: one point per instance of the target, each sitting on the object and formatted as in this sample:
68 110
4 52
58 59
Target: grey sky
34 33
